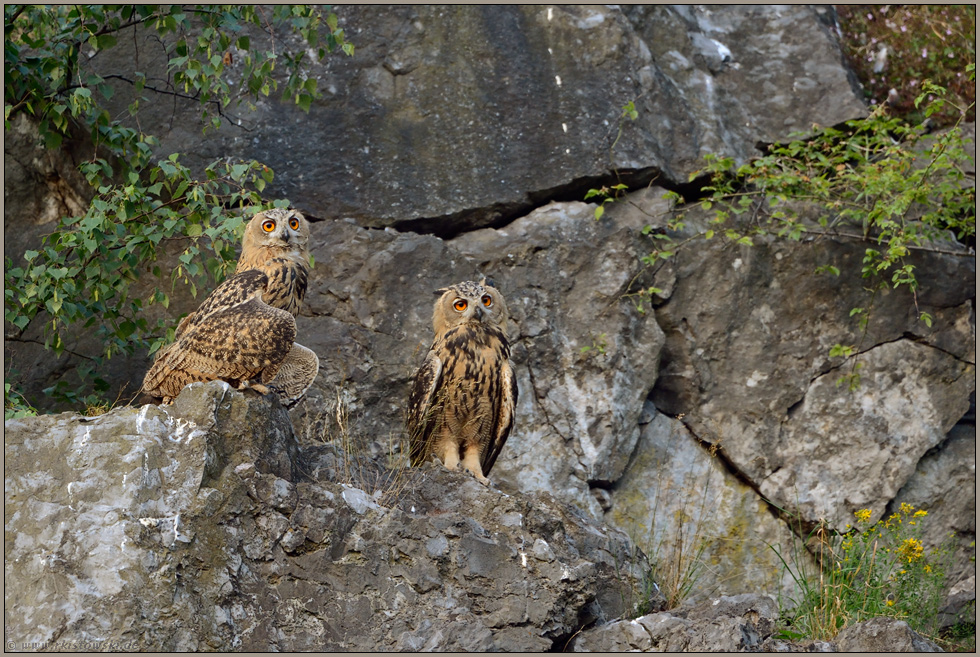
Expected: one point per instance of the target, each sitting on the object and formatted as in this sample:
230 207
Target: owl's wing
233 335
504 420
420 406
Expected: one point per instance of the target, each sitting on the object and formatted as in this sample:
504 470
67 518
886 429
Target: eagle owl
462 403
244 331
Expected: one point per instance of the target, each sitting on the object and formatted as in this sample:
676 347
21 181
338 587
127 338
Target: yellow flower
890 603
910 550
921 514
927 568
907 508
864 515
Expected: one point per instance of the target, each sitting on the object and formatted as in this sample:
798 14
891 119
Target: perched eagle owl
244 331
462 403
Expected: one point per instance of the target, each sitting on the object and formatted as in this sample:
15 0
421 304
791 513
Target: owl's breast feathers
288 268
288 282
467 382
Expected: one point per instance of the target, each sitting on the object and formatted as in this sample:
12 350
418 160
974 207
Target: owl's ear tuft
441 291
488 281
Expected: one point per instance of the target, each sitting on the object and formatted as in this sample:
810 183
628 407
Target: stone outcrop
205 526
452 118
883 635
741 623
727 624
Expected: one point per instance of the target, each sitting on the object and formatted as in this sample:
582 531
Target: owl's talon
257 387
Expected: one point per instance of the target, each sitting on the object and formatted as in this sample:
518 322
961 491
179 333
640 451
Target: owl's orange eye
460 304
268 225
487 300
294 223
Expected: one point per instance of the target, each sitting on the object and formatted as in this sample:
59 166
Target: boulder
883 635
728 624
204 525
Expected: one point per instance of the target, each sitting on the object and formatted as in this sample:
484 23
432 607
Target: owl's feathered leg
471 461
257 387
448 453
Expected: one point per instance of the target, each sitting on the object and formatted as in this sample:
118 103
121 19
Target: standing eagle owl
462 403
244 332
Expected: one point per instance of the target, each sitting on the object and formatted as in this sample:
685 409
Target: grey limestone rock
728 624
883 635
204 526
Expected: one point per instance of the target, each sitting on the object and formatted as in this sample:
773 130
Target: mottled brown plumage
462 402
276 243
244 331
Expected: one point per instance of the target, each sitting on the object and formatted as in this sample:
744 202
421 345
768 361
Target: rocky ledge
205 525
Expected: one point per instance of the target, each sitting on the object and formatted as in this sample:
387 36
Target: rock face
748 369
203 525
451 118
684 509
563 275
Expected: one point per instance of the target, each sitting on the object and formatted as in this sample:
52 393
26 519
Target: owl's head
465 302
279 229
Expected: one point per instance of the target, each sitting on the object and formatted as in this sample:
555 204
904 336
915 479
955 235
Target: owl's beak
479 313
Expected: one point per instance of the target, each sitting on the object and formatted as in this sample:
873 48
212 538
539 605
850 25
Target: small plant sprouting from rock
607 195
676 539
612 193
874 569
598 346
355 466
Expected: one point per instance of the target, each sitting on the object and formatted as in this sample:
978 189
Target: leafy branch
878 180
141 199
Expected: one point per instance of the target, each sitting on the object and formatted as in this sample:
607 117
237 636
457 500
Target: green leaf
599 211
304 100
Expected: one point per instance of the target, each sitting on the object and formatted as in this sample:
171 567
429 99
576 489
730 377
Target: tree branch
20 10
12 338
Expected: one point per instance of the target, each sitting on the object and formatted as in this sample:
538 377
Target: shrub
875 569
